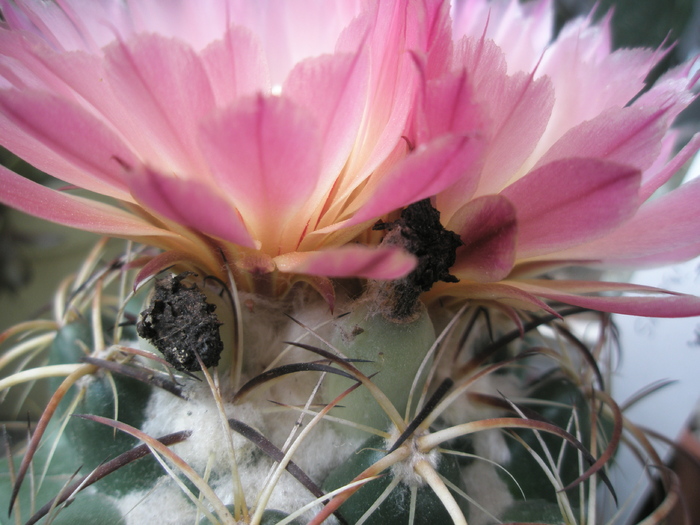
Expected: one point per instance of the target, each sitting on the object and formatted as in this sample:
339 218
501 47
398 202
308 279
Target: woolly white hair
207 446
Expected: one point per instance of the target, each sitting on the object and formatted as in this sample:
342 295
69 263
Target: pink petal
433 36
333 89
189 203
235 66
394 79
674 91
662 304
264 153
488 229
78 77
14 16
588 79
69 210
46 19
81 78
397 36
424 173
484 60
655 178
663 231
53 133
197 23
520 111
518 107
398 39
163 82
521 30
630 136
352 260
23 64
571 201
450 107
294 30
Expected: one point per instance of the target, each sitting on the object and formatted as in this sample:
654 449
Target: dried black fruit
419 232
181 323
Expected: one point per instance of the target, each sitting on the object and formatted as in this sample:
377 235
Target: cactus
273 434
349 290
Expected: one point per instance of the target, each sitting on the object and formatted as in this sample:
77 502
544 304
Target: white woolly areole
405 470
166 413
165 503
266 328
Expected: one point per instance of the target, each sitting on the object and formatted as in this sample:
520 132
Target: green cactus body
395 351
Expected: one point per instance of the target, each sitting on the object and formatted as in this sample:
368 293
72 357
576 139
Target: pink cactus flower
278 136
573 157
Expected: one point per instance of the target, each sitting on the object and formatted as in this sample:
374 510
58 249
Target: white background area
653 350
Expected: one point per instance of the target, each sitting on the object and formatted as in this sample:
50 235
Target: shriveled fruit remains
180 323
